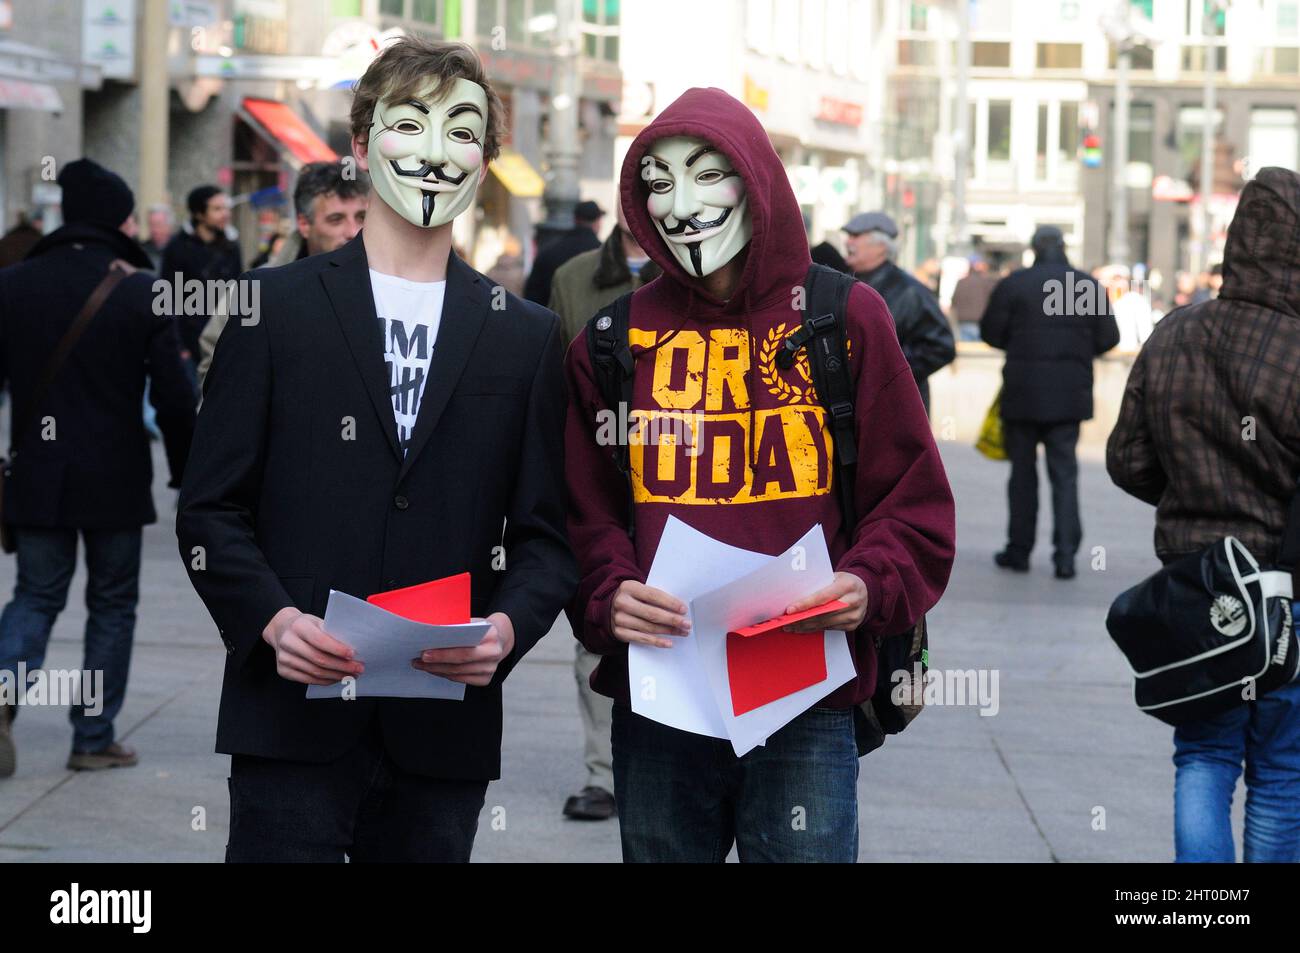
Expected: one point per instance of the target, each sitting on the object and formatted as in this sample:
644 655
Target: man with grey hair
923 331
162 225
329 200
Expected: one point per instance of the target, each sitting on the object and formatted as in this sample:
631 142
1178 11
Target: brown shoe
114 756
8 753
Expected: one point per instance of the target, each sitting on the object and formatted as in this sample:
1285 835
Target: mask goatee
427 205
696 261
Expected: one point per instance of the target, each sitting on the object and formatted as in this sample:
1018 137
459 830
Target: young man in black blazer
376 424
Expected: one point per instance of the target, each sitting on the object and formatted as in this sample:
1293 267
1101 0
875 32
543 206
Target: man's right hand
305 652
639 613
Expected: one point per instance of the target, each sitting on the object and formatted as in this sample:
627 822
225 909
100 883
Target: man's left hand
848 588
476 664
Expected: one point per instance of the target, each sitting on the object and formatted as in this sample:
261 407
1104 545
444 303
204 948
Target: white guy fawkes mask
425 157
697 201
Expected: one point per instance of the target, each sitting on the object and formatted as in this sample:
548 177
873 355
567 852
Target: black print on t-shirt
406 358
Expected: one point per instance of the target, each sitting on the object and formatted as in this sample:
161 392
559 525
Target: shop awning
20 94
517 175
281 124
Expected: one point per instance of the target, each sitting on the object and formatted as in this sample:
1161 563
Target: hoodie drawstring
750 386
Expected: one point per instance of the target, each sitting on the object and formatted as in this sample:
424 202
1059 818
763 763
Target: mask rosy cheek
390 146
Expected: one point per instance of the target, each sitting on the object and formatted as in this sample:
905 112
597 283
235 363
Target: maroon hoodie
714 361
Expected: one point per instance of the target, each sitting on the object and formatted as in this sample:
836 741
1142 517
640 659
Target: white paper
725 588
386 643
671 686
761 594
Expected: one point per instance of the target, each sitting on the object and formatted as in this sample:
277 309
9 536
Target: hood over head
777 256
1261 259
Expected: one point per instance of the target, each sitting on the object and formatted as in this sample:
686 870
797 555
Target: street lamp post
960 244
562 151
1117 242
1210 64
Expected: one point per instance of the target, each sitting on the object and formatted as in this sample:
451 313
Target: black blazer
296 486
97 472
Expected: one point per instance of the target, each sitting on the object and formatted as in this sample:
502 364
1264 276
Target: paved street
1024 785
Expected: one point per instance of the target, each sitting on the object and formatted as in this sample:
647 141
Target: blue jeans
47 559
685 798
1209 754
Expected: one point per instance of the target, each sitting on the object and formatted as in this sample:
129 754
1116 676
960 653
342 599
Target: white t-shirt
409 313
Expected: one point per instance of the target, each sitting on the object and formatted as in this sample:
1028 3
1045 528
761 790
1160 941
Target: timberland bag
1208 632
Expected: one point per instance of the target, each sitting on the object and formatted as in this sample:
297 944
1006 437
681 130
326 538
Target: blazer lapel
347 282
464 311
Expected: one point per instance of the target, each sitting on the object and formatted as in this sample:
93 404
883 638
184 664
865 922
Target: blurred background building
867 102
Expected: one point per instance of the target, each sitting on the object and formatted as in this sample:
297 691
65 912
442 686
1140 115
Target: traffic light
1092 151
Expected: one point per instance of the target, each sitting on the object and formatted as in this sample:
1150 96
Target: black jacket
296 486
191 257
573 242
923 331
1052 320
97 471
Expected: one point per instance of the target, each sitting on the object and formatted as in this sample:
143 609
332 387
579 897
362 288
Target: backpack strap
825 334
612 363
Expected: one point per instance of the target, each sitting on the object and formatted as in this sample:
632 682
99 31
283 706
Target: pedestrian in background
162 225
923 331
971 296
19 240
582 286
1179 444
329 201
584 236
93 477
1052 320
204 253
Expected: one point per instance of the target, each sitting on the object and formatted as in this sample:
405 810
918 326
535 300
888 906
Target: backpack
823 334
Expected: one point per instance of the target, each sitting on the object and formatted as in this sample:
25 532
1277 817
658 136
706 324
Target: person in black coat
83 465
1052 320
584 236
923 332
304 479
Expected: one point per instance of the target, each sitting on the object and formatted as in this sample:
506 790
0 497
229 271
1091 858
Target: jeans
686 798
361 805
47 559
1021 439
1265 735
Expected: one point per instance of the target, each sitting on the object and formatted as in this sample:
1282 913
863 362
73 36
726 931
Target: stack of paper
718 681
390 629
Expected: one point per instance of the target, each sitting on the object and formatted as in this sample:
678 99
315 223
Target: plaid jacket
1209 429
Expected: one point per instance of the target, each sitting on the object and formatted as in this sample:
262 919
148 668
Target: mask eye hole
710 176
408 126
461 135
660 186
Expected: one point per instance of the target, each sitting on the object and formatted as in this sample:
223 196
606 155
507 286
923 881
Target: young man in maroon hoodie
705 195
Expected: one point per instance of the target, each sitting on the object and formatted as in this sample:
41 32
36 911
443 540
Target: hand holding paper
476 664
305 652
643 614
849 591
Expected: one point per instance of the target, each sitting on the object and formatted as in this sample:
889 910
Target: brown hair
404 70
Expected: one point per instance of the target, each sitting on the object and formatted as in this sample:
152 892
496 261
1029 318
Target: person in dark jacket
584 236
83 464
19 240
923 331
1052 320
203 253
1208 433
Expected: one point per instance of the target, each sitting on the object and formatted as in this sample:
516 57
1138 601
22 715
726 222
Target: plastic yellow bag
990 440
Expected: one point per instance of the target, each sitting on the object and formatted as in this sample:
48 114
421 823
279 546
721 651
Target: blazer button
401 502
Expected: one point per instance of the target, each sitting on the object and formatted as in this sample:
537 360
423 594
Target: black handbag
1210 630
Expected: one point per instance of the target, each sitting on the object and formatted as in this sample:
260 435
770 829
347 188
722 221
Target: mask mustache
695 222
424 170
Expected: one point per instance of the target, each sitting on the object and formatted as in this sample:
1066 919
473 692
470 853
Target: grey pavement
1065 753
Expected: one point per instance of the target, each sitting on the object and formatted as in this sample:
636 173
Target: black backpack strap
825 334
1288 557
612 363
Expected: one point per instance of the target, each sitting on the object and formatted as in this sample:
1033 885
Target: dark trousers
686 798
361 805
47 559
1021 439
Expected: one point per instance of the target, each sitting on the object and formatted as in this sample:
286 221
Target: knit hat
92 193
